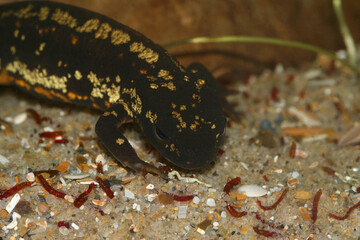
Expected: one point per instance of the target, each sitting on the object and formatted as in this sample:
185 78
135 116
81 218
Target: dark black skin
180 111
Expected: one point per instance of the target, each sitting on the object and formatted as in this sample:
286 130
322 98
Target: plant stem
345 32
274 41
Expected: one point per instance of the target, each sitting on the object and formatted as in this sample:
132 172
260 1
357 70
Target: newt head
189 123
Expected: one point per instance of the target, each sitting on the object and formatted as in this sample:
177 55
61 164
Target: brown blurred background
162 21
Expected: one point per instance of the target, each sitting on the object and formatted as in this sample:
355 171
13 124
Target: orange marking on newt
96 106
18 24
43 91
5 78
143 71
74 40
120 55
71 95
22 84
107 104
59 95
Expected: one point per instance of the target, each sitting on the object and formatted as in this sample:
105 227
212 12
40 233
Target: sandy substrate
288 139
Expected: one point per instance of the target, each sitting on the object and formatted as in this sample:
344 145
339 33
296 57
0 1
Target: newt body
69 54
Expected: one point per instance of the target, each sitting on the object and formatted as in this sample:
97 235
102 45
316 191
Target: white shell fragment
210 202
304 116
76 227
199 230
100 158
196 200
77 176
20 118
4 160
151 197
252 190
182 211
30 177
14 223
351 136
129 194
12 203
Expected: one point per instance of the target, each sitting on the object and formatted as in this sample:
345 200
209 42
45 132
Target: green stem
274 41
345 32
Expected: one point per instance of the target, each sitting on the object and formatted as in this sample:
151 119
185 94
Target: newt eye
159 134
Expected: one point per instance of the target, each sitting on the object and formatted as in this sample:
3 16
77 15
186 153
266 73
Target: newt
69 54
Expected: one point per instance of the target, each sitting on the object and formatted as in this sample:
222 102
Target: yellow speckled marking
64 18
165 75
151 117
151 78
110 113
89 26
199 84
170 85
13 50
126 108
145 53
78 75
103 31
42 46
196 97
38 77
136 104
16 33
182 108
120 141
113 93
154 86
44 13
181 124
119 37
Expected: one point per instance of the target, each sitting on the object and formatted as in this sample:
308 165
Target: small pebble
99 202
165 198
129 194
199 230
20 118
196 200
30 177
43 207
15 199
210 202
4 160
100 158
303 195
182 212
152 197
74 226
304 213
215 225
23 207
64 231
14 223
3 213
252 190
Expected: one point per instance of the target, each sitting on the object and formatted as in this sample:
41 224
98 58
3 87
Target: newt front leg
117 144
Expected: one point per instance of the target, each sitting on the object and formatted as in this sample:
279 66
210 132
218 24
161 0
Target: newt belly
69 54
